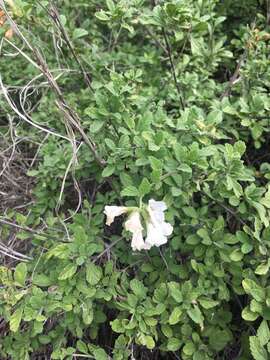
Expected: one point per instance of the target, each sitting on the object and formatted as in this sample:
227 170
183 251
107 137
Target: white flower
157 229
112 211
133 224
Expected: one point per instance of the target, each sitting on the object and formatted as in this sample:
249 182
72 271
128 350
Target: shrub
131 101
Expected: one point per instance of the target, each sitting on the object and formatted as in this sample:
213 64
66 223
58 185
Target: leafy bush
130 101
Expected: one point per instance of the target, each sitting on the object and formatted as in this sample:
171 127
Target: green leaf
257 350
175 291
96 126
41 280
263 333
78 33
196 315
15 320
93 274
130 191
67 272
101 15
117 326
190 212
253 289
249 315
20 274
189 348
262 269
232 184
138 288
82 347
236 255
149 342
145 187
100 354
207 303
110 5
174 344
196 46
175 316
108 171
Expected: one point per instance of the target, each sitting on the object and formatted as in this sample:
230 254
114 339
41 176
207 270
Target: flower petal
133 224
137 242
155 237
112 211
157 228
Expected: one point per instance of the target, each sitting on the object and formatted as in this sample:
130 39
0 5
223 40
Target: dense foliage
115 103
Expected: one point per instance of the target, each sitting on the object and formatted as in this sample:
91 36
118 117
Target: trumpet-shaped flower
113 211
157 229
133 224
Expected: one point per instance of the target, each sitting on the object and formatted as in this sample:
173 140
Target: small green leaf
15 319
20 274
145 187
257 350
174 344
207 303
78 33
189 348
253 289
262 269
236 255
249 315
108 171
130 191
67 272
93 274
175 316
101 15
263 333
190 212
96 126
138 288
100 354
41 280
110 5
196 315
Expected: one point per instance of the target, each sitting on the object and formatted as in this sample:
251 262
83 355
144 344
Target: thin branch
169 53
53 13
